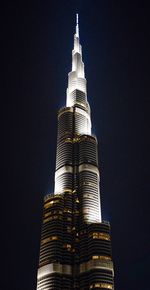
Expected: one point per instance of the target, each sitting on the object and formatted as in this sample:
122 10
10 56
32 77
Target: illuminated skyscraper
75 251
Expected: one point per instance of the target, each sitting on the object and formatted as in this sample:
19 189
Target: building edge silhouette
75 249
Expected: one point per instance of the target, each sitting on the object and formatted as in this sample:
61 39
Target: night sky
37 40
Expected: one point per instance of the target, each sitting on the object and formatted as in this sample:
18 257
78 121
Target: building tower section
75 251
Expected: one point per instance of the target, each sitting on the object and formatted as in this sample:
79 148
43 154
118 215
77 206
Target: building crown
76 78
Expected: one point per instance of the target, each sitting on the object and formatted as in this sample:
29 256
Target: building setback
75 250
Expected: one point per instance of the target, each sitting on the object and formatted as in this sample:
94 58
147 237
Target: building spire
76 78
77 25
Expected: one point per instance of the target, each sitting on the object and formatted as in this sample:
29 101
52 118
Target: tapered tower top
77 25
76 78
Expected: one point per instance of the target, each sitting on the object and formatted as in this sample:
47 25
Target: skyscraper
75 251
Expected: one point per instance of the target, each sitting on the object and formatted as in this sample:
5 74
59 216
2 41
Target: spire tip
77 18
77 24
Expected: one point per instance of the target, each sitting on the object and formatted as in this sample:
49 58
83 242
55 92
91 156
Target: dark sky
37 39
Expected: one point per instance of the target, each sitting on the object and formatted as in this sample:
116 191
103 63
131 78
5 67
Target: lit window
74 191
68 140
50 203
77 139
101 236
47 220
101 285
47 214
101 258
95 257
67 246
77 200
67 210
52 238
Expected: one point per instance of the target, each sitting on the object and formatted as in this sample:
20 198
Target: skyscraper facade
75 250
